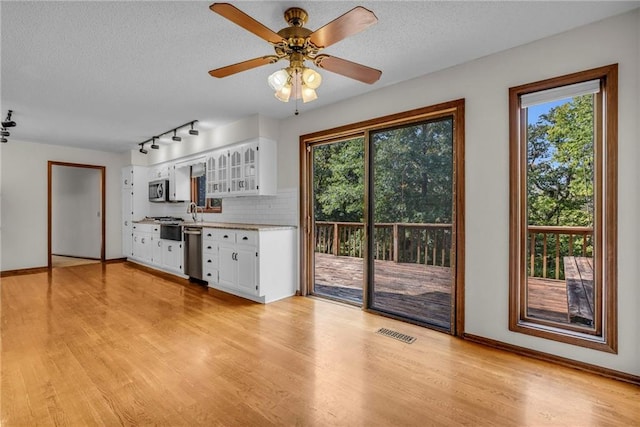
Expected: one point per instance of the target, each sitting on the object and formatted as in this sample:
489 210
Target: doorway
382 212
76 221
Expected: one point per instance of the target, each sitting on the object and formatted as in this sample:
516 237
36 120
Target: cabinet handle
142 240
208 247
209 274
169 248
225 237
159 243
241 184
126 223
209 260
245 238
208 234
126 181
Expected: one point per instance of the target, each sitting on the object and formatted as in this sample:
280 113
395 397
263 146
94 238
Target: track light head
142 150
3 140
175 137
153 143
8 123
193 131
4 132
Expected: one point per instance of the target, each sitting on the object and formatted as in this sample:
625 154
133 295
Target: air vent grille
397 335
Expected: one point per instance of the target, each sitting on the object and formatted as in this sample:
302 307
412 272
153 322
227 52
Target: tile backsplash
281 209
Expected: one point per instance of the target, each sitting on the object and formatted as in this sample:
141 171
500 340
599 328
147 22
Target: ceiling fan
298 44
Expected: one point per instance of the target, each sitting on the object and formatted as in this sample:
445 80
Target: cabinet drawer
210 274
209 247
224 235
146 228
247 237
210 261
208 234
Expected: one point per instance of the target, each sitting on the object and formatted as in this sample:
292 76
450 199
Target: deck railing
428 244
547 245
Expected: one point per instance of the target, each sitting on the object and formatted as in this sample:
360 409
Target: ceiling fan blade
237 16
243 66
347 68
352 22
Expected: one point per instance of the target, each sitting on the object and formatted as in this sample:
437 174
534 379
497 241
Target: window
563 198
199 192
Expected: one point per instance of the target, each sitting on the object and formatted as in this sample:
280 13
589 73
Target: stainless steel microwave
159 190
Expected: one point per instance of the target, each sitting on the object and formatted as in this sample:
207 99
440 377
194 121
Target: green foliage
338 181
413 173
560 165
412 176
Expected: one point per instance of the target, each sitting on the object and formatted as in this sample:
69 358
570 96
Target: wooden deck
421 292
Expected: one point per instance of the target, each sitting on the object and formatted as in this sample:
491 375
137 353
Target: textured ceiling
109 75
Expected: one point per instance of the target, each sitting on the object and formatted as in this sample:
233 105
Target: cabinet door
247 264
156 250
127 216
211 171
223 173
127 177
228 265
172 254
138 245
250 167
236 182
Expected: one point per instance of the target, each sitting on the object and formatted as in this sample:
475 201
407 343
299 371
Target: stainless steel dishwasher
193 252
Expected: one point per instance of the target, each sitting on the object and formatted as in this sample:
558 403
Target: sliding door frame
454 109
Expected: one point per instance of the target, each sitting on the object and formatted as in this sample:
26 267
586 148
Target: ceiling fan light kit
298 44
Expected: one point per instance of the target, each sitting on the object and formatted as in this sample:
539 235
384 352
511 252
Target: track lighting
4 132
175 136
3 140
8 123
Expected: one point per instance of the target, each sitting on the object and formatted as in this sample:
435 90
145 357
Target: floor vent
397 335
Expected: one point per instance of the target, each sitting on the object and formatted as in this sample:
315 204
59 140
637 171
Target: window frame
194 198
603 336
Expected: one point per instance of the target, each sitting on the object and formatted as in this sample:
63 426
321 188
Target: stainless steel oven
171 232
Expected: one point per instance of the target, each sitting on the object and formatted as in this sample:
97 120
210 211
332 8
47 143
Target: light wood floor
68 261
112 345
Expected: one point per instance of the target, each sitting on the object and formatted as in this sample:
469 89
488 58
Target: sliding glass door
412 210
382 212
338 217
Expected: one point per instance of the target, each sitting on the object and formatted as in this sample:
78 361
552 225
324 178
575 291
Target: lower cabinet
242 262
150 249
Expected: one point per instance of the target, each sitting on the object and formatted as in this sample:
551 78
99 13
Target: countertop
228 225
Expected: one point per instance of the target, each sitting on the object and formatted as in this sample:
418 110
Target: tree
560 165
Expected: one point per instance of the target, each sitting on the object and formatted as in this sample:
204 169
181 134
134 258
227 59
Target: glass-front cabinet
247 168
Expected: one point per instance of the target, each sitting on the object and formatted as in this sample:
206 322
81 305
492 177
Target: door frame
102 169
452 108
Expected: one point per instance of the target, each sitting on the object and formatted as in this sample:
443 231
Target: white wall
484 84
76 216
23 205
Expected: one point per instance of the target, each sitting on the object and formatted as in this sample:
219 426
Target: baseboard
594 369
20 272
115 260
77 257
159 273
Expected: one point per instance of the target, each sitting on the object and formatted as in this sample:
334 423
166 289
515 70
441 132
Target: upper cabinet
245 169
179 184
160 172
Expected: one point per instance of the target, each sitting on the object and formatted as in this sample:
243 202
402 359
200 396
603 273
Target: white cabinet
172 255
245 169
238 259
145 242
159 172
254 264
179 184
210 256
217 174
135 203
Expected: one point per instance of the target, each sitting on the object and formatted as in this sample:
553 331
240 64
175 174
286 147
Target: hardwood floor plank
114 345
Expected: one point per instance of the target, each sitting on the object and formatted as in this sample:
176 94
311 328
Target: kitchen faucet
193 209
